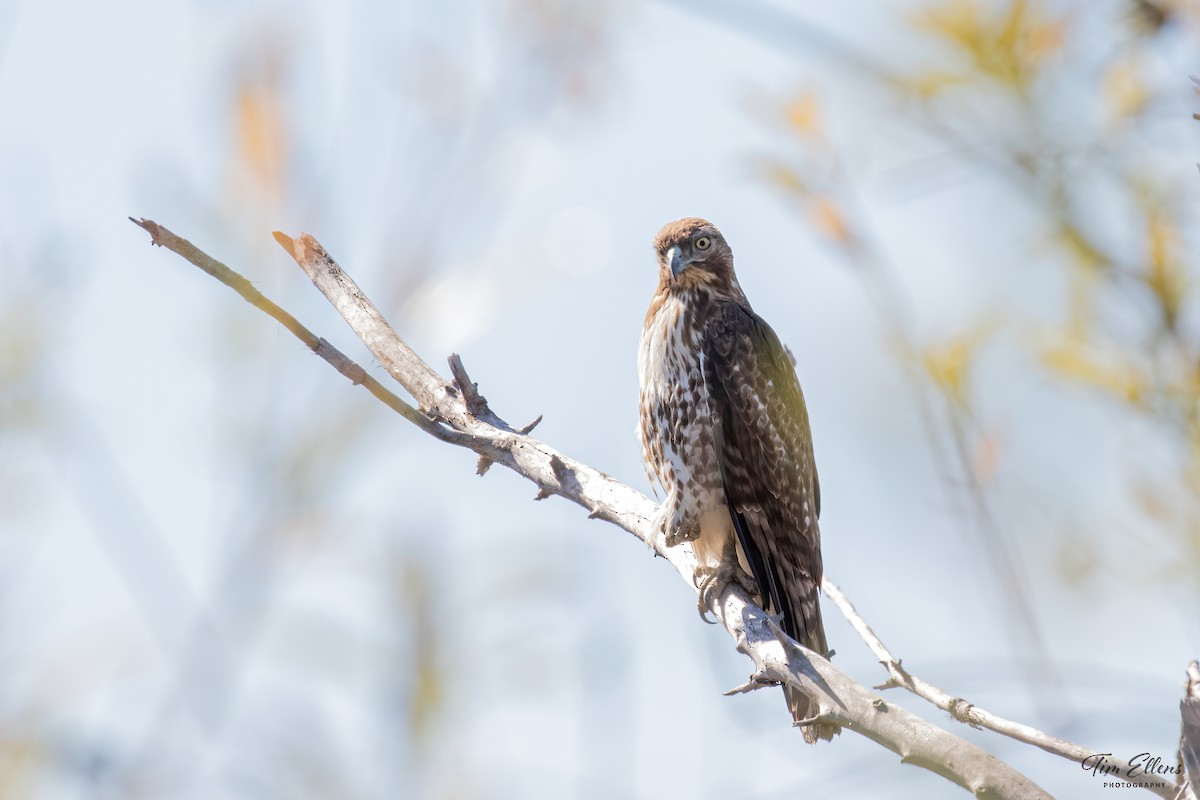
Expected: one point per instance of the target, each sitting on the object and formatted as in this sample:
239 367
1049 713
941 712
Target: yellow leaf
1008 47
785 178
948 363
1165 274
924 85
1124 90
959 21
1088 264
1081 250
803 113
1076 360
426 689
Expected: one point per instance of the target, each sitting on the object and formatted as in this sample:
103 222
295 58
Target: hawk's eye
703 243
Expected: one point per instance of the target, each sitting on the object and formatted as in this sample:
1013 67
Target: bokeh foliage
1068 105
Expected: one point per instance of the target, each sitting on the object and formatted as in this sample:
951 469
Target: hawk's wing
764 448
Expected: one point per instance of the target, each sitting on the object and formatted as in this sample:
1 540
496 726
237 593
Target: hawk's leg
712 580
677 525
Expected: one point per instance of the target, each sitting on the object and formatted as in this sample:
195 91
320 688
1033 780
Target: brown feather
769 475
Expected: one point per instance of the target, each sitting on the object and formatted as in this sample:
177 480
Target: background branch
447 414
976 717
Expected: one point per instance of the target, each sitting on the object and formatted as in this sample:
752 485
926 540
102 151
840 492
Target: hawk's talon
703 578
712 580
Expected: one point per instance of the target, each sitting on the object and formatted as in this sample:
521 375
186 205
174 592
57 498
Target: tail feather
802 708
811 634
785 589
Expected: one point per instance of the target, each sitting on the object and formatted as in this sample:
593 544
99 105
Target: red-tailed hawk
724 431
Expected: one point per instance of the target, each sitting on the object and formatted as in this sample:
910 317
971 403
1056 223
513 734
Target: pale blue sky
436 154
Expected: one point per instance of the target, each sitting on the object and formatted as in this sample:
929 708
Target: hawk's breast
676 426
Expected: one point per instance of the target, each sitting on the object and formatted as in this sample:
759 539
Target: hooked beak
676 261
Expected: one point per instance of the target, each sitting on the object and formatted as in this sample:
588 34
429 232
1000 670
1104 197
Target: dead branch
446 411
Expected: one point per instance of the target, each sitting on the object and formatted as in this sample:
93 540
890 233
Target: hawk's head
693 253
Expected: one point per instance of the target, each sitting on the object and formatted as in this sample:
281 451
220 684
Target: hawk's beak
676 261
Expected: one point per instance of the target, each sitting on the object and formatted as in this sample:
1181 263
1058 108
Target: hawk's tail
812 636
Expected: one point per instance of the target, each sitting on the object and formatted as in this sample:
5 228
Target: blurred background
227 573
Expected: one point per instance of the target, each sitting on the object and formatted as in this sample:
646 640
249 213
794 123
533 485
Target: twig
434 395
971 714
529 428
477 404
357 375
838 697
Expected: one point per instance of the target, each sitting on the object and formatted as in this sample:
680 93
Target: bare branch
433 393
477 404
844 701
777 659
1189 735
753 683
976 717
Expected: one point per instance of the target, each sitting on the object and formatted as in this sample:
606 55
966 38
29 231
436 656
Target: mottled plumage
725 433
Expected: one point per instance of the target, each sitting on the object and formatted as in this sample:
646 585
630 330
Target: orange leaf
828 218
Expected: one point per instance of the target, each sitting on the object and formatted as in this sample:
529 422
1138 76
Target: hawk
724 432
